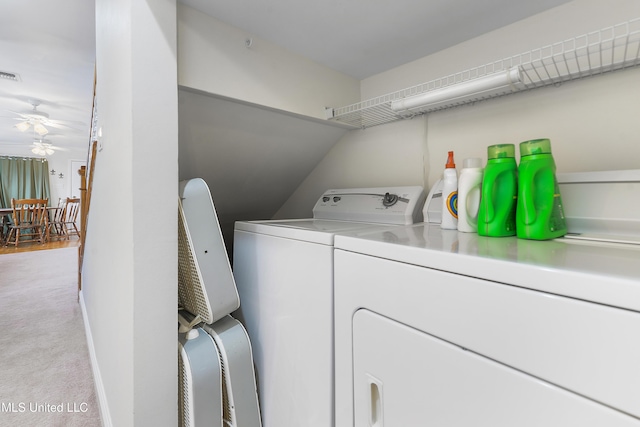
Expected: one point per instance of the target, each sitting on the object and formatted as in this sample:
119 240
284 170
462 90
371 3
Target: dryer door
431 382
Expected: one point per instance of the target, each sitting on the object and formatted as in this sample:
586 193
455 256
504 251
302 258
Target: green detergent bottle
497 212
539 214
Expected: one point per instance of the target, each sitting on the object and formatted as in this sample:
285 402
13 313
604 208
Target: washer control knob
389 199
336 199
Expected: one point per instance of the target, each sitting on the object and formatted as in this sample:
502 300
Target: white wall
213 58
130 267
592 123
61 163
390 155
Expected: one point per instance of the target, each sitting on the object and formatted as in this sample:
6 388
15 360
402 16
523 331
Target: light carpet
45 373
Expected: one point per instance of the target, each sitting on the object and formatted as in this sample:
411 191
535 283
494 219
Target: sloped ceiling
251 157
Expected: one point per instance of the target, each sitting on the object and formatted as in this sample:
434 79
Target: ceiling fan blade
14 118
24 116
67 122
58 125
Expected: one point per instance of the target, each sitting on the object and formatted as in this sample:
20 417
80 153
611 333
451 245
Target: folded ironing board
216 375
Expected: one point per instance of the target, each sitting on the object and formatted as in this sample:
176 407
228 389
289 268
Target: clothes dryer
284 275
436 327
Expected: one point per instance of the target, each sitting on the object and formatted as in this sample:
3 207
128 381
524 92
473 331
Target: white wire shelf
609 49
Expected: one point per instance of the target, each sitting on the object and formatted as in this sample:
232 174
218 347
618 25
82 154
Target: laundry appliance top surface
561 266
603 243
347 211
319 231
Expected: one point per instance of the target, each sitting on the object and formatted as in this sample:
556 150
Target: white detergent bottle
469 190
450 195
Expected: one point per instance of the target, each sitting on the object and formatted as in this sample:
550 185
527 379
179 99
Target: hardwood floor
73 241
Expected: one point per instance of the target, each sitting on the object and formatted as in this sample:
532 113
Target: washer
436 327
284 275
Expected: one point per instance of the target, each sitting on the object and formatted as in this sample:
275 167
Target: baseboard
105 415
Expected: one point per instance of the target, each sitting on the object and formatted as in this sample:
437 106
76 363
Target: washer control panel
384 205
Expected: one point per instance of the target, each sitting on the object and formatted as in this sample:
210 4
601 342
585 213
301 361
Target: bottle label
557 220
510 220
452 204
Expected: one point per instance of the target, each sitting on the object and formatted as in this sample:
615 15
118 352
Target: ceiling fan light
40 129
23 126
38 151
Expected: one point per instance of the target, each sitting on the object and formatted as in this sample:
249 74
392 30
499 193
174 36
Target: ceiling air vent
9 76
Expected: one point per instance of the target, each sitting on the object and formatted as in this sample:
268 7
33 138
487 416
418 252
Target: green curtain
23 178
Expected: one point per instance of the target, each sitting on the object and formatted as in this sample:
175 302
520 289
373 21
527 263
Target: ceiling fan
41 147
37 120
44 147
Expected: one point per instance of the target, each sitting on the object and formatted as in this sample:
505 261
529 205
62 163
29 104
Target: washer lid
320 231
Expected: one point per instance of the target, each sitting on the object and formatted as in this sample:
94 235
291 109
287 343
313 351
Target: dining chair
5 221
57 217
29 221
71 214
